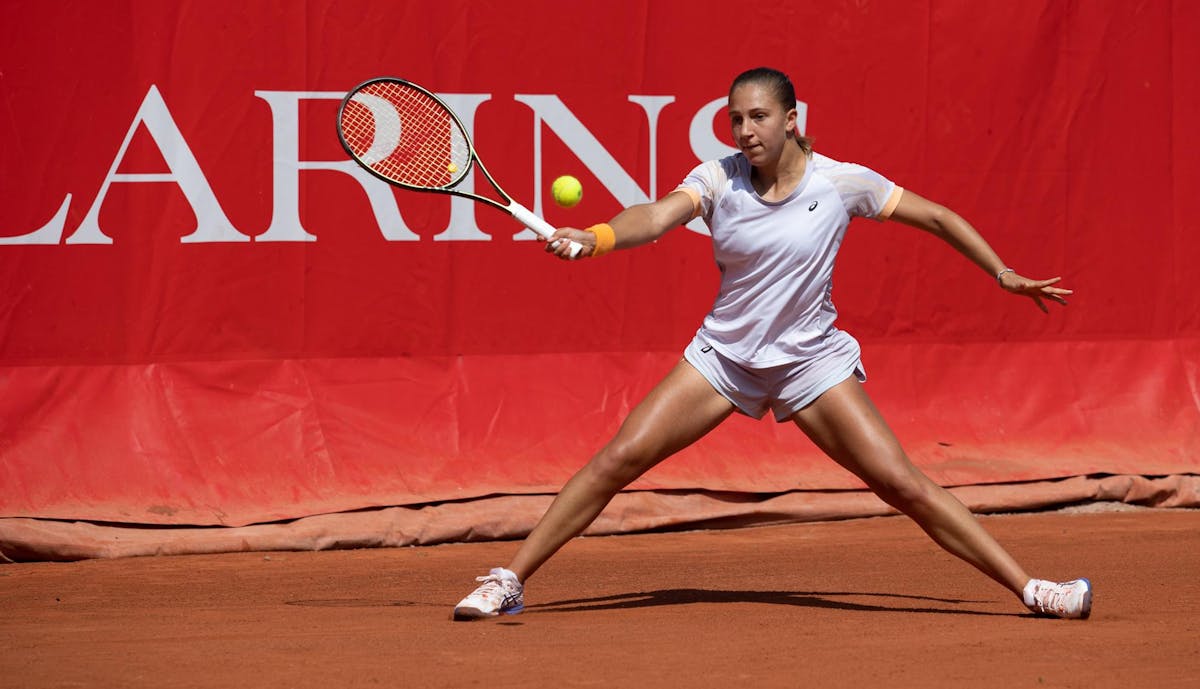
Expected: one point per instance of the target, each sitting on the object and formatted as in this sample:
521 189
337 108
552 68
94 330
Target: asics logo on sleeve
813 207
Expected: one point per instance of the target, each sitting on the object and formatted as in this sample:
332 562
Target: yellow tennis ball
452 168
567 191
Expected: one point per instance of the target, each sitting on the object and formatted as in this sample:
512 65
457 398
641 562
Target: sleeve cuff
694 195
890 206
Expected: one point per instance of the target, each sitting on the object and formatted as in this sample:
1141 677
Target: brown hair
780 85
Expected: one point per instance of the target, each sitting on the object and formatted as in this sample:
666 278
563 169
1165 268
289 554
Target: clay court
857 603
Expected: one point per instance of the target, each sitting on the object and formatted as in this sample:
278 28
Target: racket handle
543 228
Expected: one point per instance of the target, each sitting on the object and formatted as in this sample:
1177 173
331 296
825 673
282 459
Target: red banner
208 314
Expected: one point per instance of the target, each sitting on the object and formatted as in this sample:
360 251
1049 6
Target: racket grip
543 228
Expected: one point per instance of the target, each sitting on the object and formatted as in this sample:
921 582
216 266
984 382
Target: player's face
759 123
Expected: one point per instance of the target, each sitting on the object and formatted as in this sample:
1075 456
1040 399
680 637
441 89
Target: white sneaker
1072 599
499 592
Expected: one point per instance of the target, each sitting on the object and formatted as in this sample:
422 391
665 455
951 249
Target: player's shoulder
830 167
843 175
863 191
729 166
718 171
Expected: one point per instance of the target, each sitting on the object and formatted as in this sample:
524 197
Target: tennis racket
406 136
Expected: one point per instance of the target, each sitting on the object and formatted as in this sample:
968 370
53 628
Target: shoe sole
470 614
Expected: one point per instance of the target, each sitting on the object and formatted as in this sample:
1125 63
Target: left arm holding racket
406 136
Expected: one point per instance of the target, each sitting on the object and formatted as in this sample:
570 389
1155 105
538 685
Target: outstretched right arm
633 226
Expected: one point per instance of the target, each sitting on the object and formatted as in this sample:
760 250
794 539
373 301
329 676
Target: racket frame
523 215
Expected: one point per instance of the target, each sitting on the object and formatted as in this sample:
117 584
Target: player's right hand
560 243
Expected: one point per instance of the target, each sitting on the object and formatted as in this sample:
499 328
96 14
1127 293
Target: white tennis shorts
784 389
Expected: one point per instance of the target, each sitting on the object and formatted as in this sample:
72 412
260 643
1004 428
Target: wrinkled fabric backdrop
209 316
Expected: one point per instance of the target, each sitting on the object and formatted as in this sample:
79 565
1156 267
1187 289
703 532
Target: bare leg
846 425
677 412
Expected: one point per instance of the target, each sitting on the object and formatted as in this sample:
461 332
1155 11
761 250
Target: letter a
211 223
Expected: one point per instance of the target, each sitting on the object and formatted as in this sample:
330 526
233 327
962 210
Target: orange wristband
606 240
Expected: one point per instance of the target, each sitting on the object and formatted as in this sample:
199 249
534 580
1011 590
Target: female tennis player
777 212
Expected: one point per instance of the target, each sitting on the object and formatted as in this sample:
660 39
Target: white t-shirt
776 258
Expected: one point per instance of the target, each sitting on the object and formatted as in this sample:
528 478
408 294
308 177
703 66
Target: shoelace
490 585
1051 599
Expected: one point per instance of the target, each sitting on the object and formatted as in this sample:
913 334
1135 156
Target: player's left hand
1037 290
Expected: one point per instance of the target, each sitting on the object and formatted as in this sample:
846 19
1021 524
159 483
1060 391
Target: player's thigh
680 410
847 426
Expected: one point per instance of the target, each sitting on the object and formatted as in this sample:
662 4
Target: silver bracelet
1001 273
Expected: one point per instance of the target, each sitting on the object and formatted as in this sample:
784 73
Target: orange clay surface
862 603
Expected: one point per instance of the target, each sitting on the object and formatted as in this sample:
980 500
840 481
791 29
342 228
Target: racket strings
405 135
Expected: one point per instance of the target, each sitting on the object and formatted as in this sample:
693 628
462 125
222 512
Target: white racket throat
544 229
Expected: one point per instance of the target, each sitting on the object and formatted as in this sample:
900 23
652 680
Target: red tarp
207 316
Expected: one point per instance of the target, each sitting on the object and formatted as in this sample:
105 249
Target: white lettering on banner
462 226
286 166
211 223
285 219
50 233
706 146
587 148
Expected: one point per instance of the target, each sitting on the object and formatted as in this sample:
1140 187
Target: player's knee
619 464
904 490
